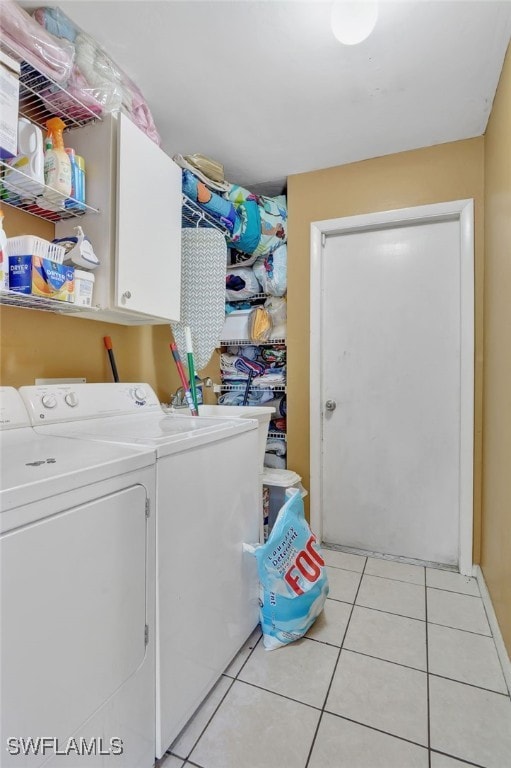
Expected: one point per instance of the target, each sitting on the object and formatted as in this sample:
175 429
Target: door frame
458 210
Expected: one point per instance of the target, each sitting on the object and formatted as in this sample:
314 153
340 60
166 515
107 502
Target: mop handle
184 382
191 366
108 344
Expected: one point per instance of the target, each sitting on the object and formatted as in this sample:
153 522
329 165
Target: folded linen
272 219
277 446
278 425
96 80
254 398
241 283
216 206
216 185
271 271
50 55
274 461
247 234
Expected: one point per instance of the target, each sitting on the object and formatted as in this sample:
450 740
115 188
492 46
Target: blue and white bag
292 576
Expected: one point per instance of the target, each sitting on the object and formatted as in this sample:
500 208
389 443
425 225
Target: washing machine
207 506
77 608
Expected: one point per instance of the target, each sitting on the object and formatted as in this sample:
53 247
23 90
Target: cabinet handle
126 295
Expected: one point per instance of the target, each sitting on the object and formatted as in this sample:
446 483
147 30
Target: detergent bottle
70 202
57 166
25 174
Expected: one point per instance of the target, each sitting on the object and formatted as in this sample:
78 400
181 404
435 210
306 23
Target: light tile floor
400 671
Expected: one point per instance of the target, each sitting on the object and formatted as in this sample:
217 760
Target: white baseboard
494 626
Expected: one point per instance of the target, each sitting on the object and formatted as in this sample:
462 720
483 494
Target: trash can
277 481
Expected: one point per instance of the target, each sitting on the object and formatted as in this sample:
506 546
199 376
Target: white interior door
391 324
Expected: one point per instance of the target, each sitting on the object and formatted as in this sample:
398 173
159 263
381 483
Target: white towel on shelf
273 461
276 445
203 254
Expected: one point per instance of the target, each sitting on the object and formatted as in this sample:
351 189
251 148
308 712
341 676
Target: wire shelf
192 215
245 342
41 97
28 301
242 386
17 190
255 297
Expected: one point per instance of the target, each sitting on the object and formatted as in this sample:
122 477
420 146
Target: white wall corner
494 626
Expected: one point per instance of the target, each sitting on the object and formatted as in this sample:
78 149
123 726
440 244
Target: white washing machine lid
35 466
164 433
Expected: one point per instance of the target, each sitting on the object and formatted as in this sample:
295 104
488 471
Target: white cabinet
137 234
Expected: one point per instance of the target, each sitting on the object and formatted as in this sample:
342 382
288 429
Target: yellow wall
496 508
435 174
46 345
35 344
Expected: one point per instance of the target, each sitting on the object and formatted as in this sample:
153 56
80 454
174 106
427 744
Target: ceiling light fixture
353 20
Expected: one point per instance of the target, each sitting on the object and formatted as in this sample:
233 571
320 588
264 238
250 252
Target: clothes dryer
207 490
77 608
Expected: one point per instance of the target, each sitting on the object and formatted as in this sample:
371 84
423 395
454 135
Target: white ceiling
265 88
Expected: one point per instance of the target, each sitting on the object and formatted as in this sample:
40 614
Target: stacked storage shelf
236 337
252 372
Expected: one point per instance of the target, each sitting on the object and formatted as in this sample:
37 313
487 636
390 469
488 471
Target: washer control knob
139 394
71 399
49 401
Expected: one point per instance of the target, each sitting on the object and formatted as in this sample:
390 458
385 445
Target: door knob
330 405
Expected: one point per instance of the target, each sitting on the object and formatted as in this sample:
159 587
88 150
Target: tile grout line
378 730
427 668
281 695
414 618
335 668
469 685
453 592
407 581
385 661
392 613
415 583
459 629
408 666
459 759
232 681
240 670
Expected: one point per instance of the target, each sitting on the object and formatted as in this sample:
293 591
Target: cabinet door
148 227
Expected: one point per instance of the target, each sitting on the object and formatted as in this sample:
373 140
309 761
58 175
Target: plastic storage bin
236 325
278 481
84 286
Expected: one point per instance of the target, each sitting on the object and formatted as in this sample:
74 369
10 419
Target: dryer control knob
49 401
139 394
71 399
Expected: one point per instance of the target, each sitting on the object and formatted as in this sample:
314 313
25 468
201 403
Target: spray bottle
57 166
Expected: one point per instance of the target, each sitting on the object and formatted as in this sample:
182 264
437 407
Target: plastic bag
271 271
93 78
259 324
292 575
277 310
241 283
